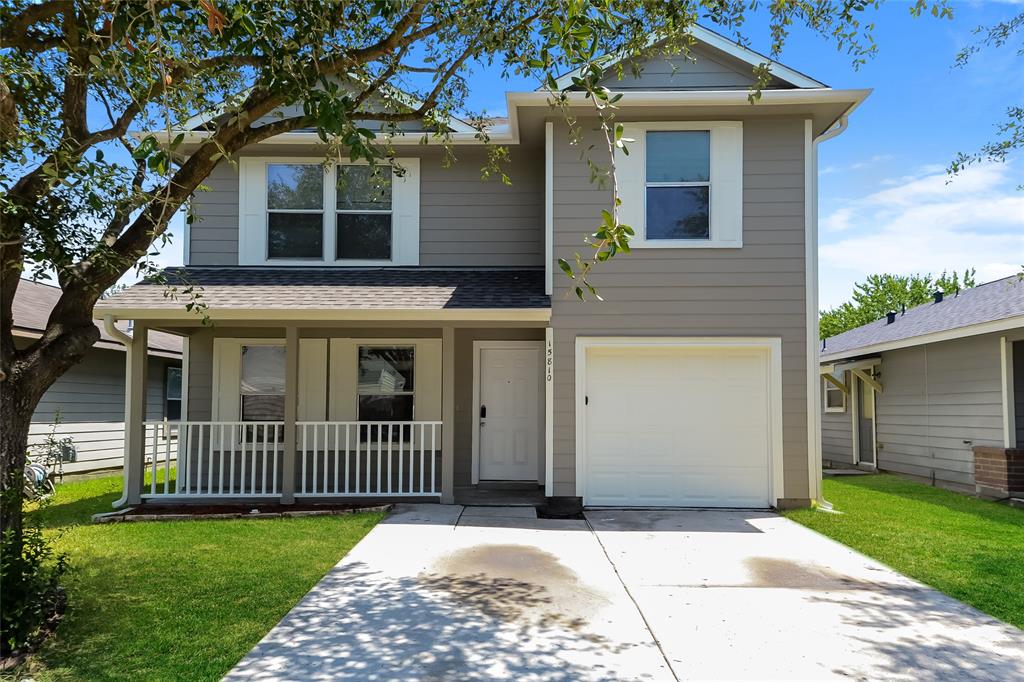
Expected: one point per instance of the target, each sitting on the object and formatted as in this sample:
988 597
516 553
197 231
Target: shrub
30 591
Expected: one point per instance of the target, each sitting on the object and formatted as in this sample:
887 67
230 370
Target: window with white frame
386 391
172 394
681 184
678 184
261 383
835 397
296 211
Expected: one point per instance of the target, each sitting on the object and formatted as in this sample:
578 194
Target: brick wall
998 472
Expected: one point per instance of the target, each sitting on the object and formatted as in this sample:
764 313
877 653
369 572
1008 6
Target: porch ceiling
322 293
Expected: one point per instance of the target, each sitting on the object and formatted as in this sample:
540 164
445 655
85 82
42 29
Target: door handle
483 412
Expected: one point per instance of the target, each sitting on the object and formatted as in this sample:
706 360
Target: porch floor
500 494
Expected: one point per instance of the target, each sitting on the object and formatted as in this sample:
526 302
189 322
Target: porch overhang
301 314
302 294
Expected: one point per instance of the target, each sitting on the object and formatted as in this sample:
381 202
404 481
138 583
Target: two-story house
411 335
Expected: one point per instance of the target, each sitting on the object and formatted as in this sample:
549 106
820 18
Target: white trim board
773 347
479 346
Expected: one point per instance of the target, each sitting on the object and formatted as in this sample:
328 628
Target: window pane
360 188
295 185
295 235
385 408
385 370
679 156
678 213
173 410
364 236
173 388
262 408
834 397
262 370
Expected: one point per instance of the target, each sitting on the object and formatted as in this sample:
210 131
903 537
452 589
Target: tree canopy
880 294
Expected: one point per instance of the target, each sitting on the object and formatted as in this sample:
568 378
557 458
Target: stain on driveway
435 594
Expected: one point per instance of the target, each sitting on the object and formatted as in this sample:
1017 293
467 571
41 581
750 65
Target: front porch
341 413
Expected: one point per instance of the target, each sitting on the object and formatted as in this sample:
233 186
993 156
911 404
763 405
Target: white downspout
114 332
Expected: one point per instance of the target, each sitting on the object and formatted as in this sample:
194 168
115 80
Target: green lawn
179 600
968 548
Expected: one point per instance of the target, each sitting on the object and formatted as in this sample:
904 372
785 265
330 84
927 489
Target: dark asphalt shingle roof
996 300
349 289
33 302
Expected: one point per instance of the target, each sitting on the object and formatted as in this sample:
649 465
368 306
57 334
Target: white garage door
677 426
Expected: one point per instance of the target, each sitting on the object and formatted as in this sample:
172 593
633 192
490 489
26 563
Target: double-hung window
303 212
385 389
682 184
261 387
365 219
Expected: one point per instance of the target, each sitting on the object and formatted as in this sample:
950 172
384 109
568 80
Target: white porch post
448 415
134 415
291 402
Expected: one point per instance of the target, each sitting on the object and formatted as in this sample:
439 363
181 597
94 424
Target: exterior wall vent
890 317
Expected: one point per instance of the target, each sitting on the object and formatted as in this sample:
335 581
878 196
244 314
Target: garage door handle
483 412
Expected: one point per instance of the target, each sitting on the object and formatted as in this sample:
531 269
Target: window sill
306 263
835 410
684 244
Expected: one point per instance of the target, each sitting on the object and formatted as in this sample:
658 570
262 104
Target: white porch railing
206 459
368 459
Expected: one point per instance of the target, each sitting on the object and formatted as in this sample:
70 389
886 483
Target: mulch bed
259 510
45 631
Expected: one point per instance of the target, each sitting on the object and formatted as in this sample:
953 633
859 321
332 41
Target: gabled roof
994 306
722 44
33 302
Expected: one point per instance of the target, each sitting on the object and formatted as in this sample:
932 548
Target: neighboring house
86 404
413 335
935 393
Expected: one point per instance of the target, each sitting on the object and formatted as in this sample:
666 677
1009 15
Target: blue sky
886 204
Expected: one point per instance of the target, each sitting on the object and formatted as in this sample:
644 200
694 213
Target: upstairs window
365 221
682 184
678 177
300 212
295 210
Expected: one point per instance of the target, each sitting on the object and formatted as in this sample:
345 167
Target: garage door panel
677 427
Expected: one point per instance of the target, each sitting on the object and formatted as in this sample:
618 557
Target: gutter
111 328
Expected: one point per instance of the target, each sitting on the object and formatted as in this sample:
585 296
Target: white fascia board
720 43
299 314
637 98
1006 324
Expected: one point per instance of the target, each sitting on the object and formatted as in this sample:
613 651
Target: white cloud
857 165
926 223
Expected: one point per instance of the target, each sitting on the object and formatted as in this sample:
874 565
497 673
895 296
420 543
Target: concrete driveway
452 593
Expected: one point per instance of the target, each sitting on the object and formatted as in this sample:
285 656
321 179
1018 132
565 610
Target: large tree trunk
28 374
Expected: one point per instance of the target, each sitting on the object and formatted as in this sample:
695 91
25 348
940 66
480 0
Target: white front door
509 413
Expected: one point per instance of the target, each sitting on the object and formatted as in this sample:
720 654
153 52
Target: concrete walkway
451 593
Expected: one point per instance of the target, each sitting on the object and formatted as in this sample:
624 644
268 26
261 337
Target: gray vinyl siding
702 69
89 399
837 434
939 400
758 290
464 220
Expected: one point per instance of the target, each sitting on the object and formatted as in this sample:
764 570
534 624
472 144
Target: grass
968 548
179 600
